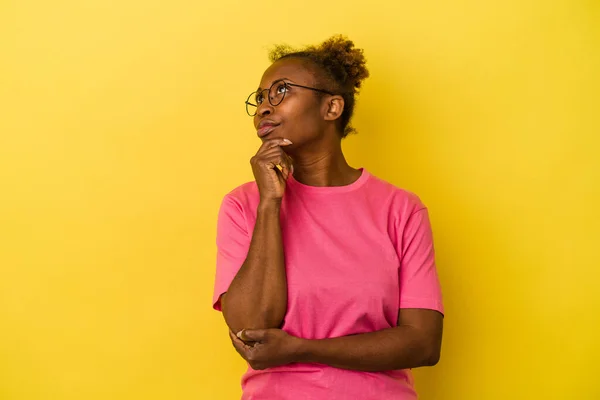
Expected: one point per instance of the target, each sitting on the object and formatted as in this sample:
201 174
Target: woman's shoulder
394 193
244 195
245 189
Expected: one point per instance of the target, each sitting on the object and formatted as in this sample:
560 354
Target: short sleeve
233 242
418 278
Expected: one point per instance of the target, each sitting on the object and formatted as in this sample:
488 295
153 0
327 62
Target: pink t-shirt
354 255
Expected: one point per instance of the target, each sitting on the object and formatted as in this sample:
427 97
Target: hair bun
351 65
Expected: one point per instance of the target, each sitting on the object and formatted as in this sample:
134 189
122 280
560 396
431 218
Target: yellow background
122 126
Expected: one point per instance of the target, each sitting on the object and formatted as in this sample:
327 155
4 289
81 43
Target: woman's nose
265 109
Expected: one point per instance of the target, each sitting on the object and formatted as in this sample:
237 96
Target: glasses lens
251 105
277 92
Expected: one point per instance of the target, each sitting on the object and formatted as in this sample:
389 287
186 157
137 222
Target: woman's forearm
257 296
394 348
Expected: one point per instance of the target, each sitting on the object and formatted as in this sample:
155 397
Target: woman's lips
265 130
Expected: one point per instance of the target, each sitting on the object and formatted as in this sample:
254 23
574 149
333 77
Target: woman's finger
238 344
271 143
278 157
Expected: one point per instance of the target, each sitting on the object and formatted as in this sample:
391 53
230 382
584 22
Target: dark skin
256 301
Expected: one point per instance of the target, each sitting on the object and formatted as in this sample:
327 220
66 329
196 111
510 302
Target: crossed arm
255 304
415 342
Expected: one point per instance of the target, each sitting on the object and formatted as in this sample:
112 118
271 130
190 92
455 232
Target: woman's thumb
250 335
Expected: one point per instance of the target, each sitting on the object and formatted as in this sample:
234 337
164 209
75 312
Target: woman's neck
327 167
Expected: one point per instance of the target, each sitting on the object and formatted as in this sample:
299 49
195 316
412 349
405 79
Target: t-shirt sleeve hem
216 303
423 303
220 289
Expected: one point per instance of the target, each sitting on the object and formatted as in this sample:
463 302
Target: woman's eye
259 98
281 88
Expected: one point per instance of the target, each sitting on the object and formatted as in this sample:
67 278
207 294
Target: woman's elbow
432 355
238 318
432 359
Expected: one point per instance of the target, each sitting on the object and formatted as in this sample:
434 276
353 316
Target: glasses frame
255 93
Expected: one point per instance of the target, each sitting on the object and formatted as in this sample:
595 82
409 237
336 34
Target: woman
325 273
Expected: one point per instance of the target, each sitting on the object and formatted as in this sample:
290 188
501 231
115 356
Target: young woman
325 274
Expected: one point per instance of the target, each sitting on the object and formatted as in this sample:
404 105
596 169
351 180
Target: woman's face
299 117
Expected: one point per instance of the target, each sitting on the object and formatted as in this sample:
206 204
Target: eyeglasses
277 93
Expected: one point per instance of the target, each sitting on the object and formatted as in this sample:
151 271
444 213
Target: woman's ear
335 108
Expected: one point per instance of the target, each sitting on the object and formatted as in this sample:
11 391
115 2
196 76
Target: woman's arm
257 296
415 342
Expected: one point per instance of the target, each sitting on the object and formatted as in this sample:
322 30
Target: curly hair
343 65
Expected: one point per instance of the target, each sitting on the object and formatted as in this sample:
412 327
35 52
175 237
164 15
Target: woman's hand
268 347
270 180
